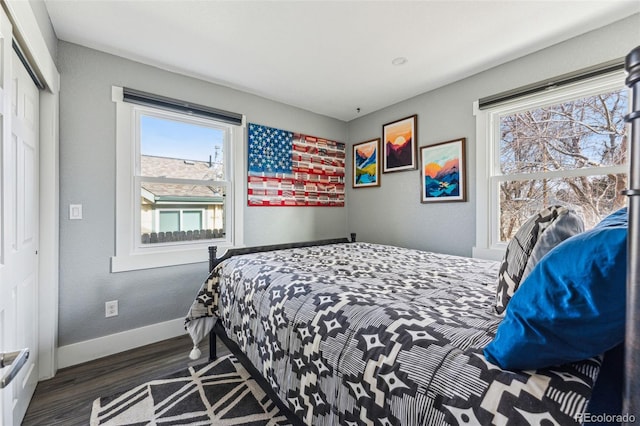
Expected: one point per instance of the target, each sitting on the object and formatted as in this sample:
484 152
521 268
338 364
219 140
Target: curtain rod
552 83
162 102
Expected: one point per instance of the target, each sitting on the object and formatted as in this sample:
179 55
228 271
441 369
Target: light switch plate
75 211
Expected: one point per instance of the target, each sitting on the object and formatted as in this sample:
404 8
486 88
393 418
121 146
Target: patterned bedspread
364 334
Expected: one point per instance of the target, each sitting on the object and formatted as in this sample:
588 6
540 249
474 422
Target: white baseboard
80 352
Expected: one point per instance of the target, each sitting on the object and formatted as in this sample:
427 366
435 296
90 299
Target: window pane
176 149
169 221
191 220
200 207
587 132
592 197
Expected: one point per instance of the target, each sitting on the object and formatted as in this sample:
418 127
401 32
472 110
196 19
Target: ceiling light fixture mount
400 60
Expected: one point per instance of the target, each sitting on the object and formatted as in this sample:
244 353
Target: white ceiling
329 57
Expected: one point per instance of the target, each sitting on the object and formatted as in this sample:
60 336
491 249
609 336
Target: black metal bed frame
215 261
631 387
631 390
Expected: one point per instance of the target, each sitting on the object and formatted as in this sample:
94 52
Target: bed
353 333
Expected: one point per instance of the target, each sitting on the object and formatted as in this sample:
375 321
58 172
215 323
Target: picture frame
443 172
366 164
400 144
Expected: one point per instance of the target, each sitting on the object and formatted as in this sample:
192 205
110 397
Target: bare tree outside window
558 154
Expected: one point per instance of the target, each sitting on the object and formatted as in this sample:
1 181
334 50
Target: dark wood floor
67 398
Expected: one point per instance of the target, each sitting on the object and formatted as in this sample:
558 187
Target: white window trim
488 245
129 257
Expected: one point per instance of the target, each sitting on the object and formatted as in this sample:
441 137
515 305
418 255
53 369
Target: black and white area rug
218 393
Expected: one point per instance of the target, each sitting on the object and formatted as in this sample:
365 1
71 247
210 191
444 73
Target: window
566 146
176 191
180 168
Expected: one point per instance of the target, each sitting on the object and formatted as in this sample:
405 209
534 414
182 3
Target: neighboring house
178 212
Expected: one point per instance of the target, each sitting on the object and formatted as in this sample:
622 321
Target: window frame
130 253
488 175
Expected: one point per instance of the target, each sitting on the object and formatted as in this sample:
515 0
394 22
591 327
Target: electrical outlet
111 309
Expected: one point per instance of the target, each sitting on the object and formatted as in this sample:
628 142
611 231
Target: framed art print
443 172
366 164
282 172
400 139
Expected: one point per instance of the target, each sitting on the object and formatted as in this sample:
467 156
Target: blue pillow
572 305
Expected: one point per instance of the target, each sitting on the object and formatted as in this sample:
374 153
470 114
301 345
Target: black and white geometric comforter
364 334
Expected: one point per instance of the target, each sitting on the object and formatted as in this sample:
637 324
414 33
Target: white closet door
19 106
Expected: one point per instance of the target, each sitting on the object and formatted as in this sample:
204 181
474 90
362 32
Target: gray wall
87 177
392 213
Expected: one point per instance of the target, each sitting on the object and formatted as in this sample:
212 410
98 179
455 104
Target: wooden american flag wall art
292 169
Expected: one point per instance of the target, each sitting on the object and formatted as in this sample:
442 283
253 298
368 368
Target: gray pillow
565 226
517 262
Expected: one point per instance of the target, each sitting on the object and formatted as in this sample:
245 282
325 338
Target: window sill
161 259
488 253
